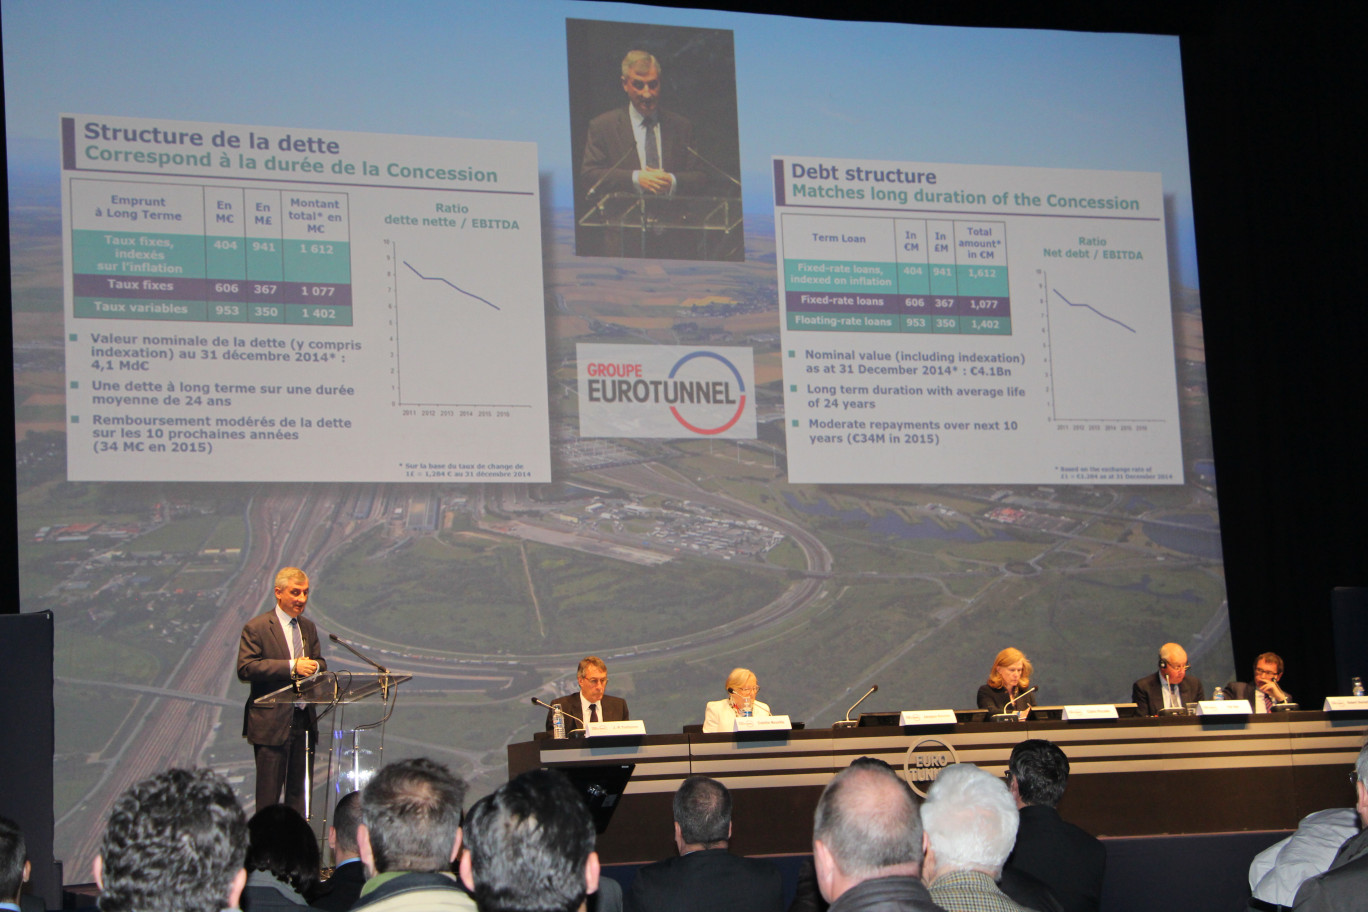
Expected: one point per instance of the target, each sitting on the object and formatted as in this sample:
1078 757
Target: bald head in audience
867 827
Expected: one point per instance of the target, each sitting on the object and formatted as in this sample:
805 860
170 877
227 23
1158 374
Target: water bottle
1218 693
748 710
1358 686
558 723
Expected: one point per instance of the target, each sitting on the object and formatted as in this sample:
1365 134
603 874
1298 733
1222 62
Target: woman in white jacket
742 687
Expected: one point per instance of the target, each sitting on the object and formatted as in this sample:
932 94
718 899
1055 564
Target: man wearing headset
1169 687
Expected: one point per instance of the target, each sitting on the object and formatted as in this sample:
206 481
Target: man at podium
642 148
277 649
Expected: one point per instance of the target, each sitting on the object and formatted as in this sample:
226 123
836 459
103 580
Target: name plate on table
927 717
1224 708
1087 712
624 727
1341 703
764 724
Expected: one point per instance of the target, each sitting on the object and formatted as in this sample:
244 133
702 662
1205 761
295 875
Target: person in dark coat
705 876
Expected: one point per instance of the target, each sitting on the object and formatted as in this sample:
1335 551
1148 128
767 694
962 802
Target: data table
203 253
896 275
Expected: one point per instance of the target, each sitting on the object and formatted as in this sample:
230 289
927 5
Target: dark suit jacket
339 892
995 698
1069 860
611 709
1343 886
1239 690
610 137
264 662
705 881
1149 699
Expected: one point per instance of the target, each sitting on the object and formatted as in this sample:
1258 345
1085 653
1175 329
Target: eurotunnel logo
924 761
666 391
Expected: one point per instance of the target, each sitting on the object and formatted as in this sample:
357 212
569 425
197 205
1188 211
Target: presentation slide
960 323
849 353
263 303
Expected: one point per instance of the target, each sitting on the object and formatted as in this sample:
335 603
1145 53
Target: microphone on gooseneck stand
1006 716
598 183
553 709
847 722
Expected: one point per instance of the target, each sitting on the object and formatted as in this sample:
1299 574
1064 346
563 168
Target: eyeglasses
640 84
595 681
747 690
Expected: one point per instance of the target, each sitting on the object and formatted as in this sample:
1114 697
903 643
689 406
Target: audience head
281 843
342 830
971 822
1038 772
1361 785
702 813
14 864
411 818
530 847
867 825
174 843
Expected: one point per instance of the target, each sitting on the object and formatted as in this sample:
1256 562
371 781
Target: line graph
455 306
1094 310
445 281
1110 348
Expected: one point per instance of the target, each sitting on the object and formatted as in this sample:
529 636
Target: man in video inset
1170 687
644 149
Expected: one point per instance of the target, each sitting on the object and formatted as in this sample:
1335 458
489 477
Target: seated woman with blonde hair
742 687
1009 679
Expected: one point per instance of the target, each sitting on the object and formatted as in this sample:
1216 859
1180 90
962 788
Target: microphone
1017 697
594 189
553 709
348 646
698 155
1006 715
847 722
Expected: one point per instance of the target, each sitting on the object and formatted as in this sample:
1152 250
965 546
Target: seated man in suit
590 704
1264 692
340 891
1071 861
1170 687
705 876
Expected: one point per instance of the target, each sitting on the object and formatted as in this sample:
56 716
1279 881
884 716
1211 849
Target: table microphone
847 722
537 702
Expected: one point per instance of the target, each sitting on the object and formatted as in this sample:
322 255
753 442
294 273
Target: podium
334 690
679 227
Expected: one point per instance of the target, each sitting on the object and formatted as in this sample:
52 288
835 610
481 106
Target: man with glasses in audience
591 704
1345 884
